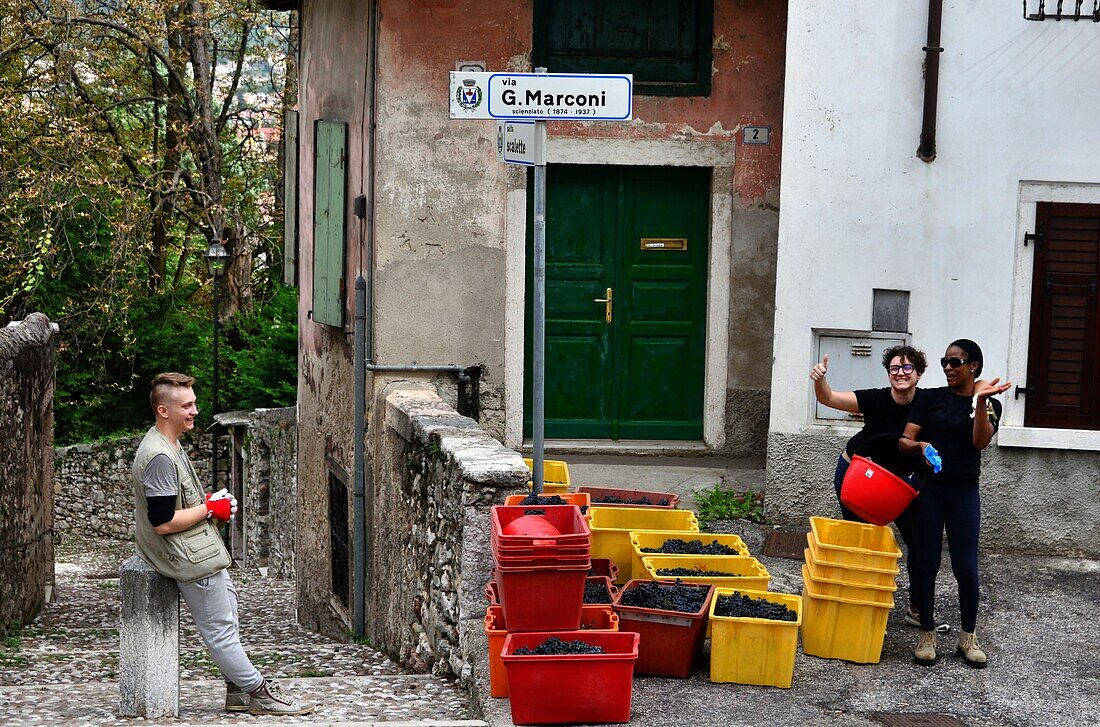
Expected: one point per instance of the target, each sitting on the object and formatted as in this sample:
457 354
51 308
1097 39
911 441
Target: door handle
607 303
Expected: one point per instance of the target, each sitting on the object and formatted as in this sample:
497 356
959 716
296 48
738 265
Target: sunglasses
903 369
954 362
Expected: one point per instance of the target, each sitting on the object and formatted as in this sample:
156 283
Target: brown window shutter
1063 353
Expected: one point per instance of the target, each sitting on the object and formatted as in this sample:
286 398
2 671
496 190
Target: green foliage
262 360
117 167
356 638
718 504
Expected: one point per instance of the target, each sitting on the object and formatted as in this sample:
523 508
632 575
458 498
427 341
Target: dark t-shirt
881 415
947 424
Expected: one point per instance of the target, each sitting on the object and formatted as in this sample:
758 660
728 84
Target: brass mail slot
664 243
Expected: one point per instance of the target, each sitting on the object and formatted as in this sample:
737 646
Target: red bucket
874 493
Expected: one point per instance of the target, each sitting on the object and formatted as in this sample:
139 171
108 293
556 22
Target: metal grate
785 543
916 719
1073 10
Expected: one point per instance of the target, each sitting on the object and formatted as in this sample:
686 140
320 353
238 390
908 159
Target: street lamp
216 258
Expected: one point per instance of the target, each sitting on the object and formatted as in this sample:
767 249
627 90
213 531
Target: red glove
221 509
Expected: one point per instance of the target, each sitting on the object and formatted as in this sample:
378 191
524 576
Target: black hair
973 352
913 355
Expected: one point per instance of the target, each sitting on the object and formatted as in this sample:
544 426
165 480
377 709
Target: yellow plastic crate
851 543
754 650
838 587
611 528
555 476
834 627
751 574
657 538
854 574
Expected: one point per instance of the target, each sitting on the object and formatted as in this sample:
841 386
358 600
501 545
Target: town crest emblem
469 95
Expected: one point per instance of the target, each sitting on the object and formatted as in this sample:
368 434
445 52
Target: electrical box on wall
855 362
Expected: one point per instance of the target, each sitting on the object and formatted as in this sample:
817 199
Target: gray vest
187 556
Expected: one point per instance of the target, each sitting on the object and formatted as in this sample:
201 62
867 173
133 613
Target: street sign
542 96
518 142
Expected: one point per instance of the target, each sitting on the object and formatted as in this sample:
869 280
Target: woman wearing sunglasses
885 411
959 421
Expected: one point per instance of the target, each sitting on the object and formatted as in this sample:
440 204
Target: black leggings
956 509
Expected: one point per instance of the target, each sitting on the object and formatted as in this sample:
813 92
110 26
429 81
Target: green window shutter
330 191
666 44
290 198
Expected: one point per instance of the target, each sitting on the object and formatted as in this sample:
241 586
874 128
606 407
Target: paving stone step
392 700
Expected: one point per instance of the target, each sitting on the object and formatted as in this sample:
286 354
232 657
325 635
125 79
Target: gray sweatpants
213 604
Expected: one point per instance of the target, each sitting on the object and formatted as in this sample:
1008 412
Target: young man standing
174 535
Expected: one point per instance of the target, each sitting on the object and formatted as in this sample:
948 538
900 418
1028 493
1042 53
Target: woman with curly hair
885 411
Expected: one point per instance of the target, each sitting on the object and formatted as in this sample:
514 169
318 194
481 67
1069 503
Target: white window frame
1012 432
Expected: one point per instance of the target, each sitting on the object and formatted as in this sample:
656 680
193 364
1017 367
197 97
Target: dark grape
740 605
596 593
542 500
554 646
676 546
666 597
534 511
616 500
695 572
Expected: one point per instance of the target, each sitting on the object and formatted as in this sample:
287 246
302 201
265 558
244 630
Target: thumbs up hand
817 373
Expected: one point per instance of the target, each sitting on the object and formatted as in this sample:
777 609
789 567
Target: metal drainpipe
364 471
927 150
359 561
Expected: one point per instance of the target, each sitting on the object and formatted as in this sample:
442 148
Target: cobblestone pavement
63 668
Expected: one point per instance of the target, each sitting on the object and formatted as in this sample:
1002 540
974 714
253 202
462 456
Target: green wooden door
642 232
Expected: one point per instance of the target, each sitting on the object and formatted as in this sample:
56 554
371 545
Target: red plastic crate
575 688
593 618
671 641
542 599
604 567
596 492
567 519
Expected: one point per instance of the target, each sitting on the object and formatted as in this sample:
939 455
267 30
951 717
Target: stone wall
92 490
27 367
438 474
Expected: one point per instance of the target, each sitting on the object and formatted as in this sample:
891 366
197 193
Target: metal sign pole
538 365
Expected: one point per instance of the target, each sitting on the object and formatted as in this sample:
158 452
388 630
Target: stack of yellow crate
849 579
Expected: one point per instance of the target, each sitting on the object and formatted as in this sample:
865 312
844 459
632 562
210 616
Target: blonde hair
163 383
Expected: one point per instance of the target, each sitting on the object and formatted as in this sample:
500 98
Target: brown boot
925 653
971 651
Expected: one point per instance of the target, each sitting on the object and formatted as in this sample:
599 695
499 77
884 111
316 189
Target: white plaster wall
1018 101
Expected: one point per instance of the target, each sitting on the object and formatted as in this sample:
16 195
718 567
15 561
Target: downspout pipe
932 50
359 621
364 473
